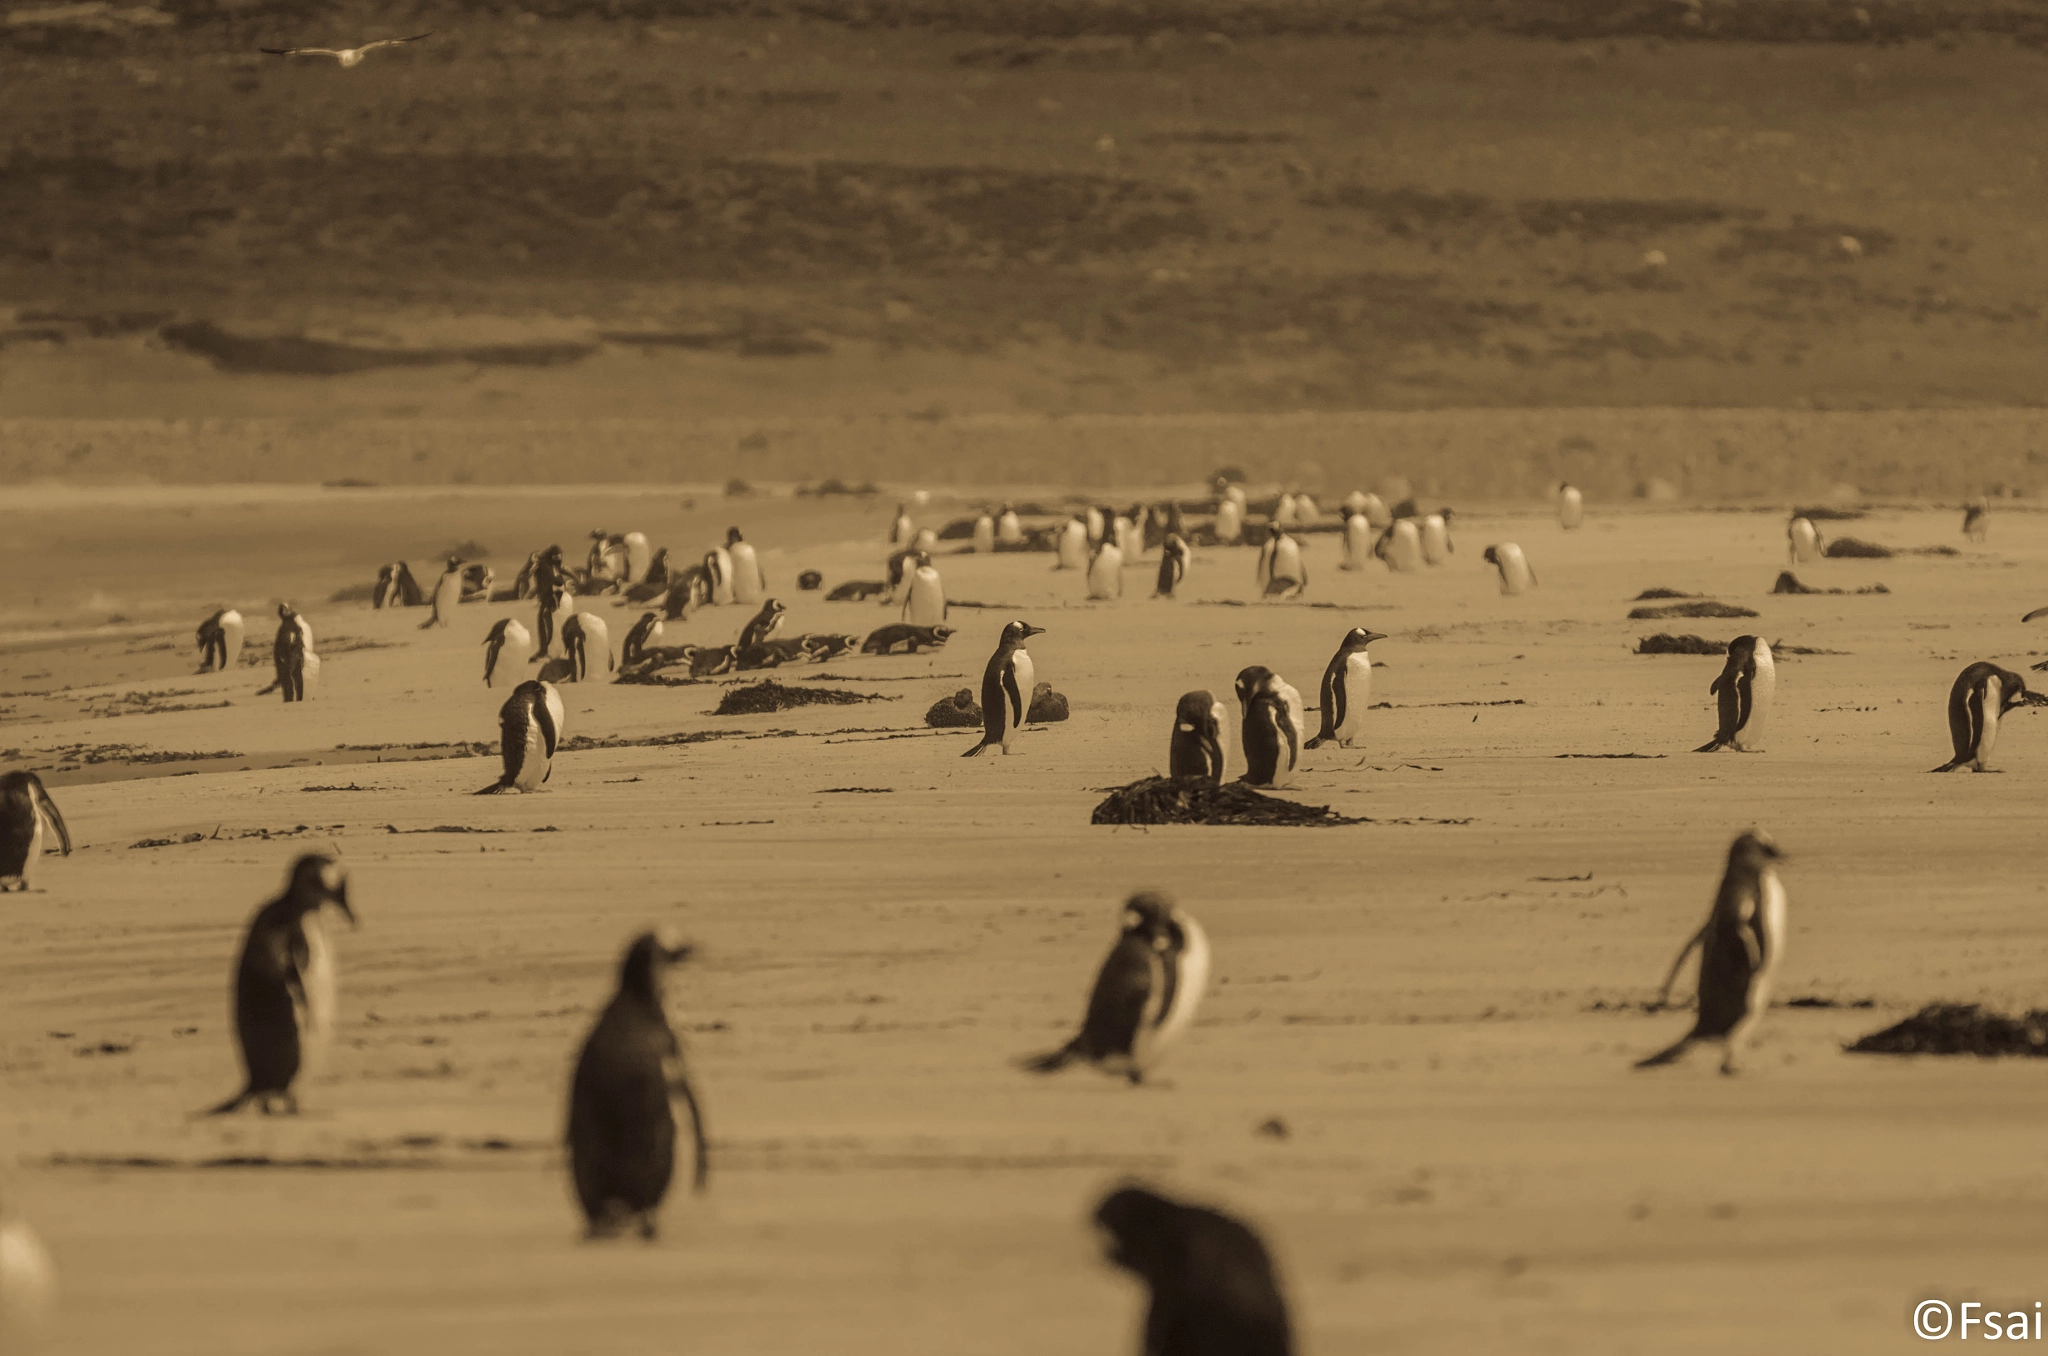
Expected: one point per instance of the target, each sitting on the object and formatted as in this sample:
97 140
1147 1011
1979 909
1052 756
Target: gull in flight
347 56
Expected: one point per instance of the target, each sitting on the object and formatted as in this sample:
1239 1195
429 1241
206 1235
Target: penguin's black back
1262 738
1733 688
995 695
1726 951
17 820
622 1131
267 978
1116 1008
1197 752
1214 1291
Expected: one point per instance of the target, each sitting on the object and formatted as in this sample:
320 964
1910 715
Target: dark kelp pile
1696 609
1197 800
1789 582
764 698
1651 595
1665 643
1959 1029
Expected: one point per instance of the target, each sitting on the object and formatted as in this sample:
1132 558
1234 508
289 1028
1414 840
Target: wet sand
1442 1015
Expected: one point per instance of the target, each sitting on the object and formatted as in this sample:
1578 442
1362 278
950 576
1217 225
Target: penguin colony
1212 1287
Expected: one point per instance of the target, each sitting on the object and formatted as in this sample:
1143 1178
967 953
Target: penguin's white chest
533 758
1105 574
1357 541
721 577
1229 521
1514 570
1073 546
1571 509
1404 548
1027 678
1771 906
309 675
1286 559
984 534
746 574
1190 980
1357 680
1762 686
317 1020
1436 540
1987 735
926 605
447 595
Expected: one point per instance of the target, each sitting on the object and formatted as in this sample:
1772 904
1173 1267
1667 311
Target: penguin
28 1284
1073 546
1745 687
688 590
749 583
1124 532
1353 502
477 582
395 587
26 813
1571 506
1213 1288
447 595
530 725
897 585
638 562
924 603
1197 746
557 624
292 655
810 581
1006 687
1283 511
1307 512
902 530
1436 538
220 641
984 534
549 599
1358 542
718 569
1376 512
644 633
1400 546
1982 695
1272 722
583 632
1009 531
1096 522
1229 522
761 625
1106 570
1145 995
1516 577
1740 946
284 986
1347 690
1803 541
621 1133
1174 559
1280 571
527 582
505 633
901 639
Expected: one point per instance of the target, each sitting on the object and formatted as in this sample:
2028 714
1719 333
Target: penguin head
732 536
1017 632
1249 680
1359 637
1754 850
1148 912
1491 555
649 955
1138 1231
923 559
318 879
1194 711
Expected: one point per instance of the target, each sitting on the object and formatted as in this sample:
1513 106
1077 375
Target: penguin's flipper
680 1085
55 816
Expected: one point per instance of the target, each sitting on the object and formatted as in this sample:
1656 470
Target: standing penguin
749 584
505 634
1006 688
1229 521
761 626
395 587
1516 578
1174 558
1747 682
1145 995
1740 947
582 633
1571 506
1197 746
1073 546
551 599
1982 694
1265 732
284 986
1097 522
1283 510
1106 569
1347 690
1436 538
718 568
622 1126
984 534
902 530
529 726
1280 571
1009 531
447 594
1400 546
26 812
1802 540
924 604
1256 678
1213 1288
638 560
1358 542
220 641
292 655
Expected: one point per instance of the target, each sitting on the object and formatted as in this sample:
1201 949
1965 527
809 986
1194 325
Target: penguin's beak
1371 636
1030 630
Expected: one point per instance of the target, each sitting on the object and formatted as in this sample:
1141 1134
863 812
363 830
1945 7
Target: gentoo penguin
526 583
1174 558
1740 946
284 986
1803 541
477 581
1400 546
220 641
1214 1291
1280 571
749 584
1571 506
529 726
644 633
1006 687
1255 677
1106 569
718 569
1516 577
688 590
1229 521
550 598
1197 747
1982 694
638 559
924 603
1347 690
1266 733
1976 520
926 540
395 587
1145 994
1073 546
1009 531
583 632
505 634
902 530
1376 512
1283 510
984 534
1358 542
1124 532
292 654
622 1126
897 584
447 594
762 625
1436 538
1097 522
28 1284
1307 512
26 812
1745 687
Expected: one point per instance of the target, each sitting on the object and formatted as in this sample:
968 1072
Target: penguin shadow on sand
1145 994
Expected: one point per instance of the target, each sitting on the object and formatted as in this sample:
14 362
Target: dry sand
1441 1014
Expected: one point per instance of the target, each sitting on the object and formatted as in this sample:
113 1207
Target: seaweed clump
1789 582
763 698
1665 643
1697 609
1651 595
1855 548
1959 1029
1197 800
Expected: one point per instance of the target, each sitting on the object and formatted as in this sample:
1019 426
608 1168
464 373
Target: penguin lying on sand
903 638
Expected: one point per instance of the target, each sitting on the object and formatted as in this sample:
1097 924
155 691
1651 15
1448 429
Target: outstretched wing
299 51
393 42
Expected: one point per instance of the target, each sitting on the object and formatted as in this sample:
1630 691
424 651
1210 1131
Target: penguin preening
1006 687
1740 947
1803 540
1106 569
1197 746
622 1128
1516 577
447 594
505 634
924 602
1174 559
395 587
749 583
1747 682
1980 698
530 725
581 633
1145 995
1571 506
284 986
1281 573
1347 690
478 579
26 814
292 656
1213 1287
220 641
1272 724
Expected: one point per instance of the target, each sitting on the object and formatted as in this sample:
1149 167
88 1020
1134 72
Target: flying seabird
347 56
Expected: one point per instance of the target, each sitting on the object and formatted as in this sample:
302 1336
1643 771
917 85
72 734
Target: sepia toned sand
1442 1015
